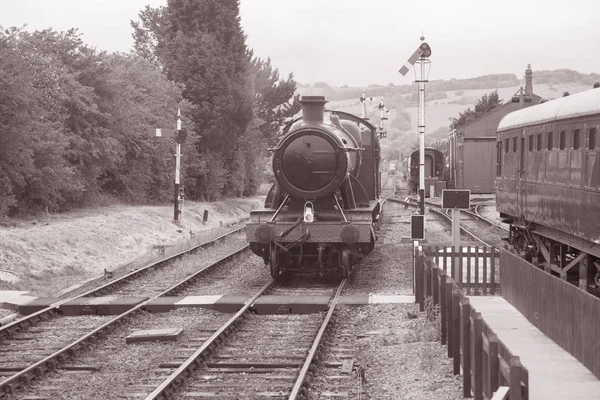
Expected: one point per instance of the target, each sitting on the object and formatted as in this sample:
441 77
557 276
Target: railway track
257 356
47 339
474 225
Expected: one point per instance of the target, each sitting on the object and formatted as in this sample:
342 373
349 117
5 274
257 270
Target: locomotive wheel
346 262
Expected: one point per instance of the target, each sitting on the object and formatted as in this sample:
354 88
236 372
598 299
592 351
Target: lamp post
420 57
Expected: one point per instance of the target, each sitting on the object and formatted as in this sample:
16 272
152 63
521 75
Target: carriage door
521 176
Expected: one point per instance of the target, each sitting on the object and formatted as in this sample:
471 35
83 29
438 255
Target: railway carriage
434 170
321 211
548 183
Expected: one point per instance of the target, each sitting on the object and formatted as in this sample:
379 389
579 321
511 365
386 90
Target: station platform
554 374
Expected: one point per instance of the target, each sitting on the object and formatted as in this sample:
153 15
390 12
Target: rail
38 368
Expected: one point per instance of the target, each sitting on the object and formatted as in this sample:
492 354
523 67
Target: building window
562 139
539 142
515 144
592 139
506 146
576 139
550 144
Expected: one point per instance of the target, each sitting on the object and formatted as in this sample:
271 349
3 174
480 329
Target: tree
565 94
234 99
272 95
33 140
596 85
486 103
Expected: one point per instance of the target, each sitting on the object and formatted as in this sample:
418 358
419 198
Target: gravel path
398 352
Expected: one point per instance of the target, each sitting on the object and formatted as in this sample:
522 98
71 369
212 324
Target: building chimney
312 108
528 81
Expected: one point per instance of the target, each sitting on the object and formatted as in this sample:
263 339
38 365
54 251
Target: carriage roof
576 105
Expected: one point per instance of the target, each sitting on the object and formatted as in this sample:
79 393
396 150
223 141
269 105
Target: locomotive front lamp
309 214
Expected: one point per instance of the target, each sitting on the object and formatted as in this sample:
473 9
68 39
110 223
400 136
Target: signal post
177 137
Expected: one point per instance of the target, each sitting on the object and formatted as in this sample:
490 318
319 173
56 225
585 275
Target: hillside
439 110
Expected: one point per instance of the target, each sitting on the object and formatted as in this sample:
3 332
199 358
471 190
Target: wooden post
456 330
435 273
476 352
468 279
420 267
427 280
477 271
453 266
516 371
486 278
459 266
465 317
493 271
494 364
449 315
443 308
445 250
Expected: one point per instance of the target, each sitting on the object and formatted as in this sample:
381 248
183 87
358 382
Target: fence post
477 271
486 279
449 315
419 298
456 330
427 279
443 308
435 284
494 365
465 317
476 350
516 371
493 271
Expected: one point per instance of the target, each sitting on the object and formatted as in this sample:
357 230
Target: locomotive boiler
320 212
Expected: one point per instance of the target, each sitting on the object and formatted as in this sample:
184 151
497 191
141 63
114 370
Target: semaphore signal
177 137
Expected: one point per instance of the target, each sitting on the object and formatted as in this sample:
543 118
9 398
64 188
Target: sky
356 43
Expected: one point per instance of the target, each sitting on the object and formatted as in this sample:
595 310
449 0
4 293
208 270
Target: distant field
439 112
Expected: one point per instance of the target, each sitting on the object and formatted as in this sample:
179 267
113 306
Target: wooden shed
473 145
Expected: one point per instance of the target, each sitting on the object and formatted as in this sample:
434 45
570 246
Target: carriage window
539 142
506 145
530 142
592 139
550 144
515 144
562 138
576 139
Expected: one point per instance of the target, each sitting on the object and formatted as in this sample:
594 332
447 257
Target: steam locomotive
548 183
321 211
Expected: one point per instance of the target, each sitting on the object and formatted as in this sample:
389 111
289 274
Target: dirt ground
54 252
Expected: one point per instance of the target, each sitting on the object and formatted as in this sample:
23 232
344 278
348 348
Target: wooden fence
562 311
474 269
487 364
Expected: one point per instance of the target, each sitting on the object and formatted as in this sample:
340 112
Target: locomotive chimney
312 108
528 81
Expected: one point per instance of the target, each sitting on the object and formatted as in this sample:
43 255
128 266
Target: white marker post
456 200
